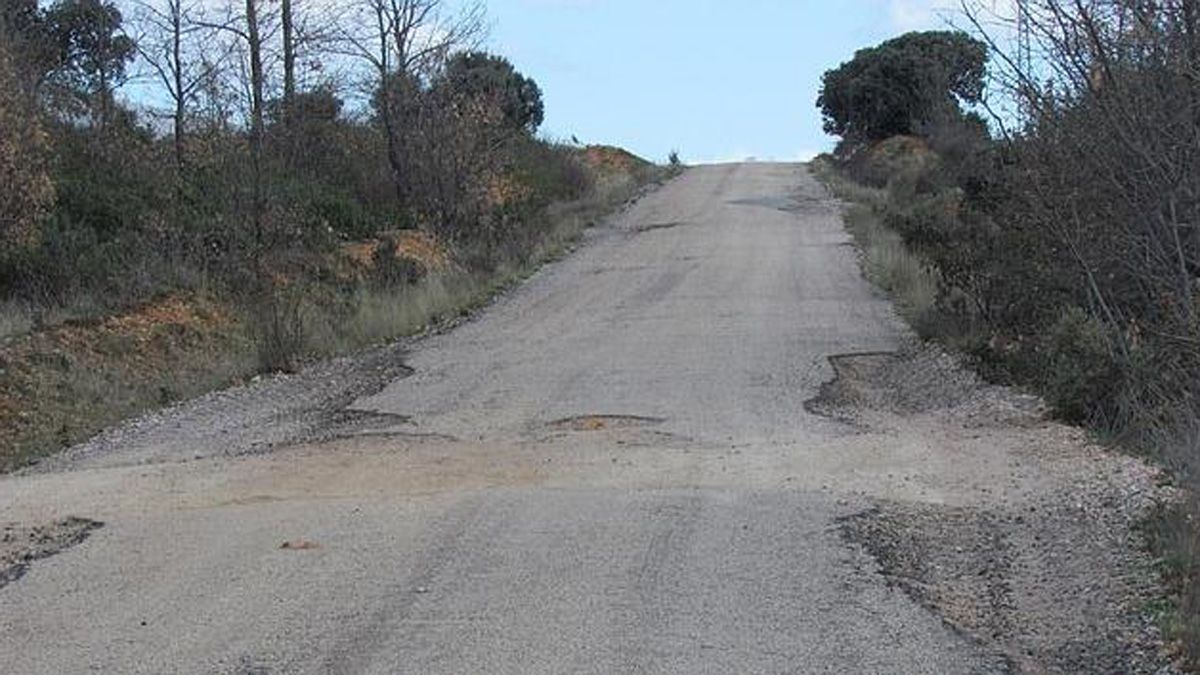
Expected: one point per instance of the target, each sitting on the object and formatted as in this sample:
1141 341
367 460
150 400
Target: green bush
1080 373
343 214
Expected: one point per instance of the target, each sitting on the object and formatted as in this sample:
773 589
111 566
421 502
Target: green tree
93 51
479 74
906 85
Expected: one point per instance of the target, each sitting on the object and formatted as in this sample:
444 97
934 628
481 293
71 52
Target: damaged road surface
700 444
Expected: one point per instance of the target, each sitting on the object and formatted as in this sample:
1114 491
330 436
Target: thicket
1065 237
153 146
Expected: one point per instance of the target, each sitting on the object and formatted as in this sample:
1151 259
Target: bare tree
286 22
403 42
1108 158
248 29
178 52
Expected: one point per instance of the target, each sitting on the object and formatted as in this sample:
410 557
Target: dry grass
886 260
377 315
59 386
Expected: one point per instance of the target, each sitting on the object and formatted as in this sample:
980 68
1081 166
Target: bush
278 324
1080 373
342 214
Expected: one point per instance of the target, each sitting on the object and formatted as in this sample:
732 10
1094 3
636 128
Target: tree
479 74
404 42
30 47
170 43
93 51
27 192
287 26
906 85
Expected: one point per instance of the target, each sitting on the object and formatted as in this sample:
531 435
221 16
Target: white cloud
908 15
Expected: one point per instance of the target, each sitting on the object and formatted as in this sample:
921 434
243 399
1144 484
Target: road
610 470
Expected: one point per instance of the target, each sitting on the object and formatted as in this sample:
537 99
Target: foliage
92 50
905 85
28 192
474 75
1080 371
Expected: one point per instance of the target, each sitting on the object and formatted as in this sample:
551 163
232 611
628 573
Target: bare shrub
278 324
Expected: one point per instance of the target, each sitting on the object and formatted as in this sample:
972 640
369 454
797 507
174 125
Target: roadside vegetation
1055 244
192 193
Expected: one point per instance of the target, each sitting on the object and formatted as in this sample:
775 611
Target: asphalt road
611 470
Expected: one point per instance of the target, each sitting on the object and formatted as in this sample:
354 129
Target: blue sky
717 79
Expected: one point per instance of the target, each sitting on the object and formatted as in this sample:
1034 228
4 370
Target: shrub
1080 373
278 325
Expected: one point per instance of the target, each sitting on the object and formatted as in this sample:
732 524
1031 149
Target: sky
717 80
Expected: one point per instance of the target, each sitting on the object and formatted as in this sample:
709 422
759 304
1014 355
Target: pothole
605 422
658 226
349 423
916 379
855 377
21 545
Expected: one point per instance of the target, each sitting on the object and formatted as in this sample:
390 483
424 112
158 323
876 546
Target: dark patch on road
1015 580
619 268
642 229
605 422
21 546
776 202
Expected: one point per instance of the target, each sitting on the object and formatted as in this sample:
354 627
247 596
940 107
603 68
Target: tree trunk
254 44
289 59
180 97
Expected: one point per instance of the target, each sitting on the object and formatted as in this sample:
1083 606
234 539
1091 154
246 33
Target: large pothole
916 379
22 545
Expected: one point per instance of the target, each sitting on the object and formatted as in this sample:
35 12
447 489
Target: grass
1173 536
61 385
